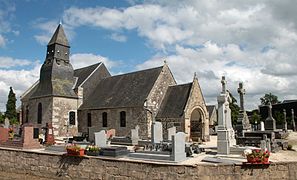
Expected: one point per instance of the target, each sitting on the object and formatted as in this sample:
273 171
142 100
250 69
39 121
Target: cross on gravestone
6 123
285 128
223 81
171 132
100 139
178 147
241 92
293 120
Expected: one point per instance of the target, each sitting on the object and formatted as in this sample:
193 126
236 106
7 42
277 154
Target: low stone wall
58 166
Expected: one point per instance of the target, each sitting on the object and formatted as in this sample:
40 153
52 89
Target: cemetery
237 149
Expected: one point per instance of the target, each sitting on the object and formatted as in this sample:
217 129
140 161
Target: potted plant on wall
75 150
10 133
257 156
92 150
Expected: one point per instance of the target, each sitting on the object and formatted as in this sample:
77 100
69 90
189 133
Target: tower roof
59 37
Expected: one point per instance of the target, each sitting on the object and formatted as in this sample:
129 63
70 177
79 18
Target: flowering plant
257 156
73 148
10 130
91 148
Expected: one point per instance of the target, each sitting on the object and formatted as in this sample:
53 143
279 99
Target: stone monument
157 132
262 126
178 147
225 131
100 139
171 132
6 123
243 123
293 120
49 135
134 135
270 121
285 124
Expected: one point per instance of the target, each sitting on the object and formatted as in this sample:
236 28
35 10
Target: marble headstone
178 147
262 126
134 135
157 134
6 123
171 132
100 139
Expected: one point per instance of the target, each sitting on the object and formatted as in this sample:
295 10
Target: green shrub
290 147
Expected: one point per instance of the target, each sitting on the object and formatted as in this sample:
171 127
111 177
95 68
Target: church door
196 125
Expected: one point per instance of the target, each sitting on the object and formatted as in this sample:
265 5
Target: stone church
73 101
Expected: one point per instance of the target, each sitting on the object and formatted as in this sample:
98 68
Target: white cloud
9 62
118 37
251 41
85 59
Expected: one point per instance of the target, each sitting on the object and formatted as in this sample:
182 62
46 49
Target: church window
104 119
123 119
89 119
71 118
39 114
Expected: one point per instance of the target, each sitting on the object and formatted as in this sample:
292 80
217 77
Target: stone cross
293 120
270 110
241 92
223 81
285 120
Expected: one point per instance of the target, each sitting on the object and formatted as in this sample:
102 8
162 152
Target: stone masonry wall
67 167
134 117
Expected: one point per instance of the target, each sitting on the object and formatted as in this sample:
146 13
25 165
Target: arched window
104 119
89 119
39 114
123 119
71 118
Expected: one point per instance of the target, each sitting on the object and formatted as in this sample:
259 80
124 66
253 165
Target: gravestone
100 139
178 147
263 145
134 135
262 126
243 123
225 132
91 131
3 134
171 132
49 135
293 120
28 137
157 134
270 121
6 123
285 125
110 133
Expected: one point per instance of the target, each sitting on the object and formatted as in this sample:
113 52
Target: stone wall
61 167
134 117
60 120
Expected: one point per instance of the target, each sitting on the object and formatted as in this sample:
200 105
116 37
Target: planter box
71 152
94 153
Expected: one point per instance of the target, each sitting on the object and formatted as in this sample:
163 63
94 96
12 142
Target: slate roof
175 101
83 73
126 90
59 37
210 109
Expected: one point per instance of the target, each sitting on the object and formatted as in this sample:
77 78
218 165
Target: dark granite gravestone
270 121
114 151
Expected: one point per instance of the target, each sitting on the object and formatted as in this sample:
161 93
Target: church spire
59 37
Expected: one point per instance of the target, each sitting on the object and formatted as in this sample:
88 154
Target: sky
247 41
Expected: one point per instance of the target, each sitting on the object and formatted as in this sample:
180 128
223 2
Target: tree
269 98
255 117
234 109
11 106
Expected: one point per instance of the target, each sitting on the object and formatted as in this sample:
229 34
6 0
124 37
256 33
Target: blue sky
253 42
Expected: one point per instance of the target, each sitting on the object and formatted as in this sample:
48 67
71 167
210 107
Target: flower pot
73 152
265 160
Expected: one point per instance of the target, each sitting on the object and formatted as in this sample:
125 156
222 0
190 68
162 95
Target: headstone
171 132
285 124
100 139
270 121
157 135
134 135
3 134
29 142
178 147
49 135
6 123
91 131
262 126
110 133
263 145
293 120
225 131
268 145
